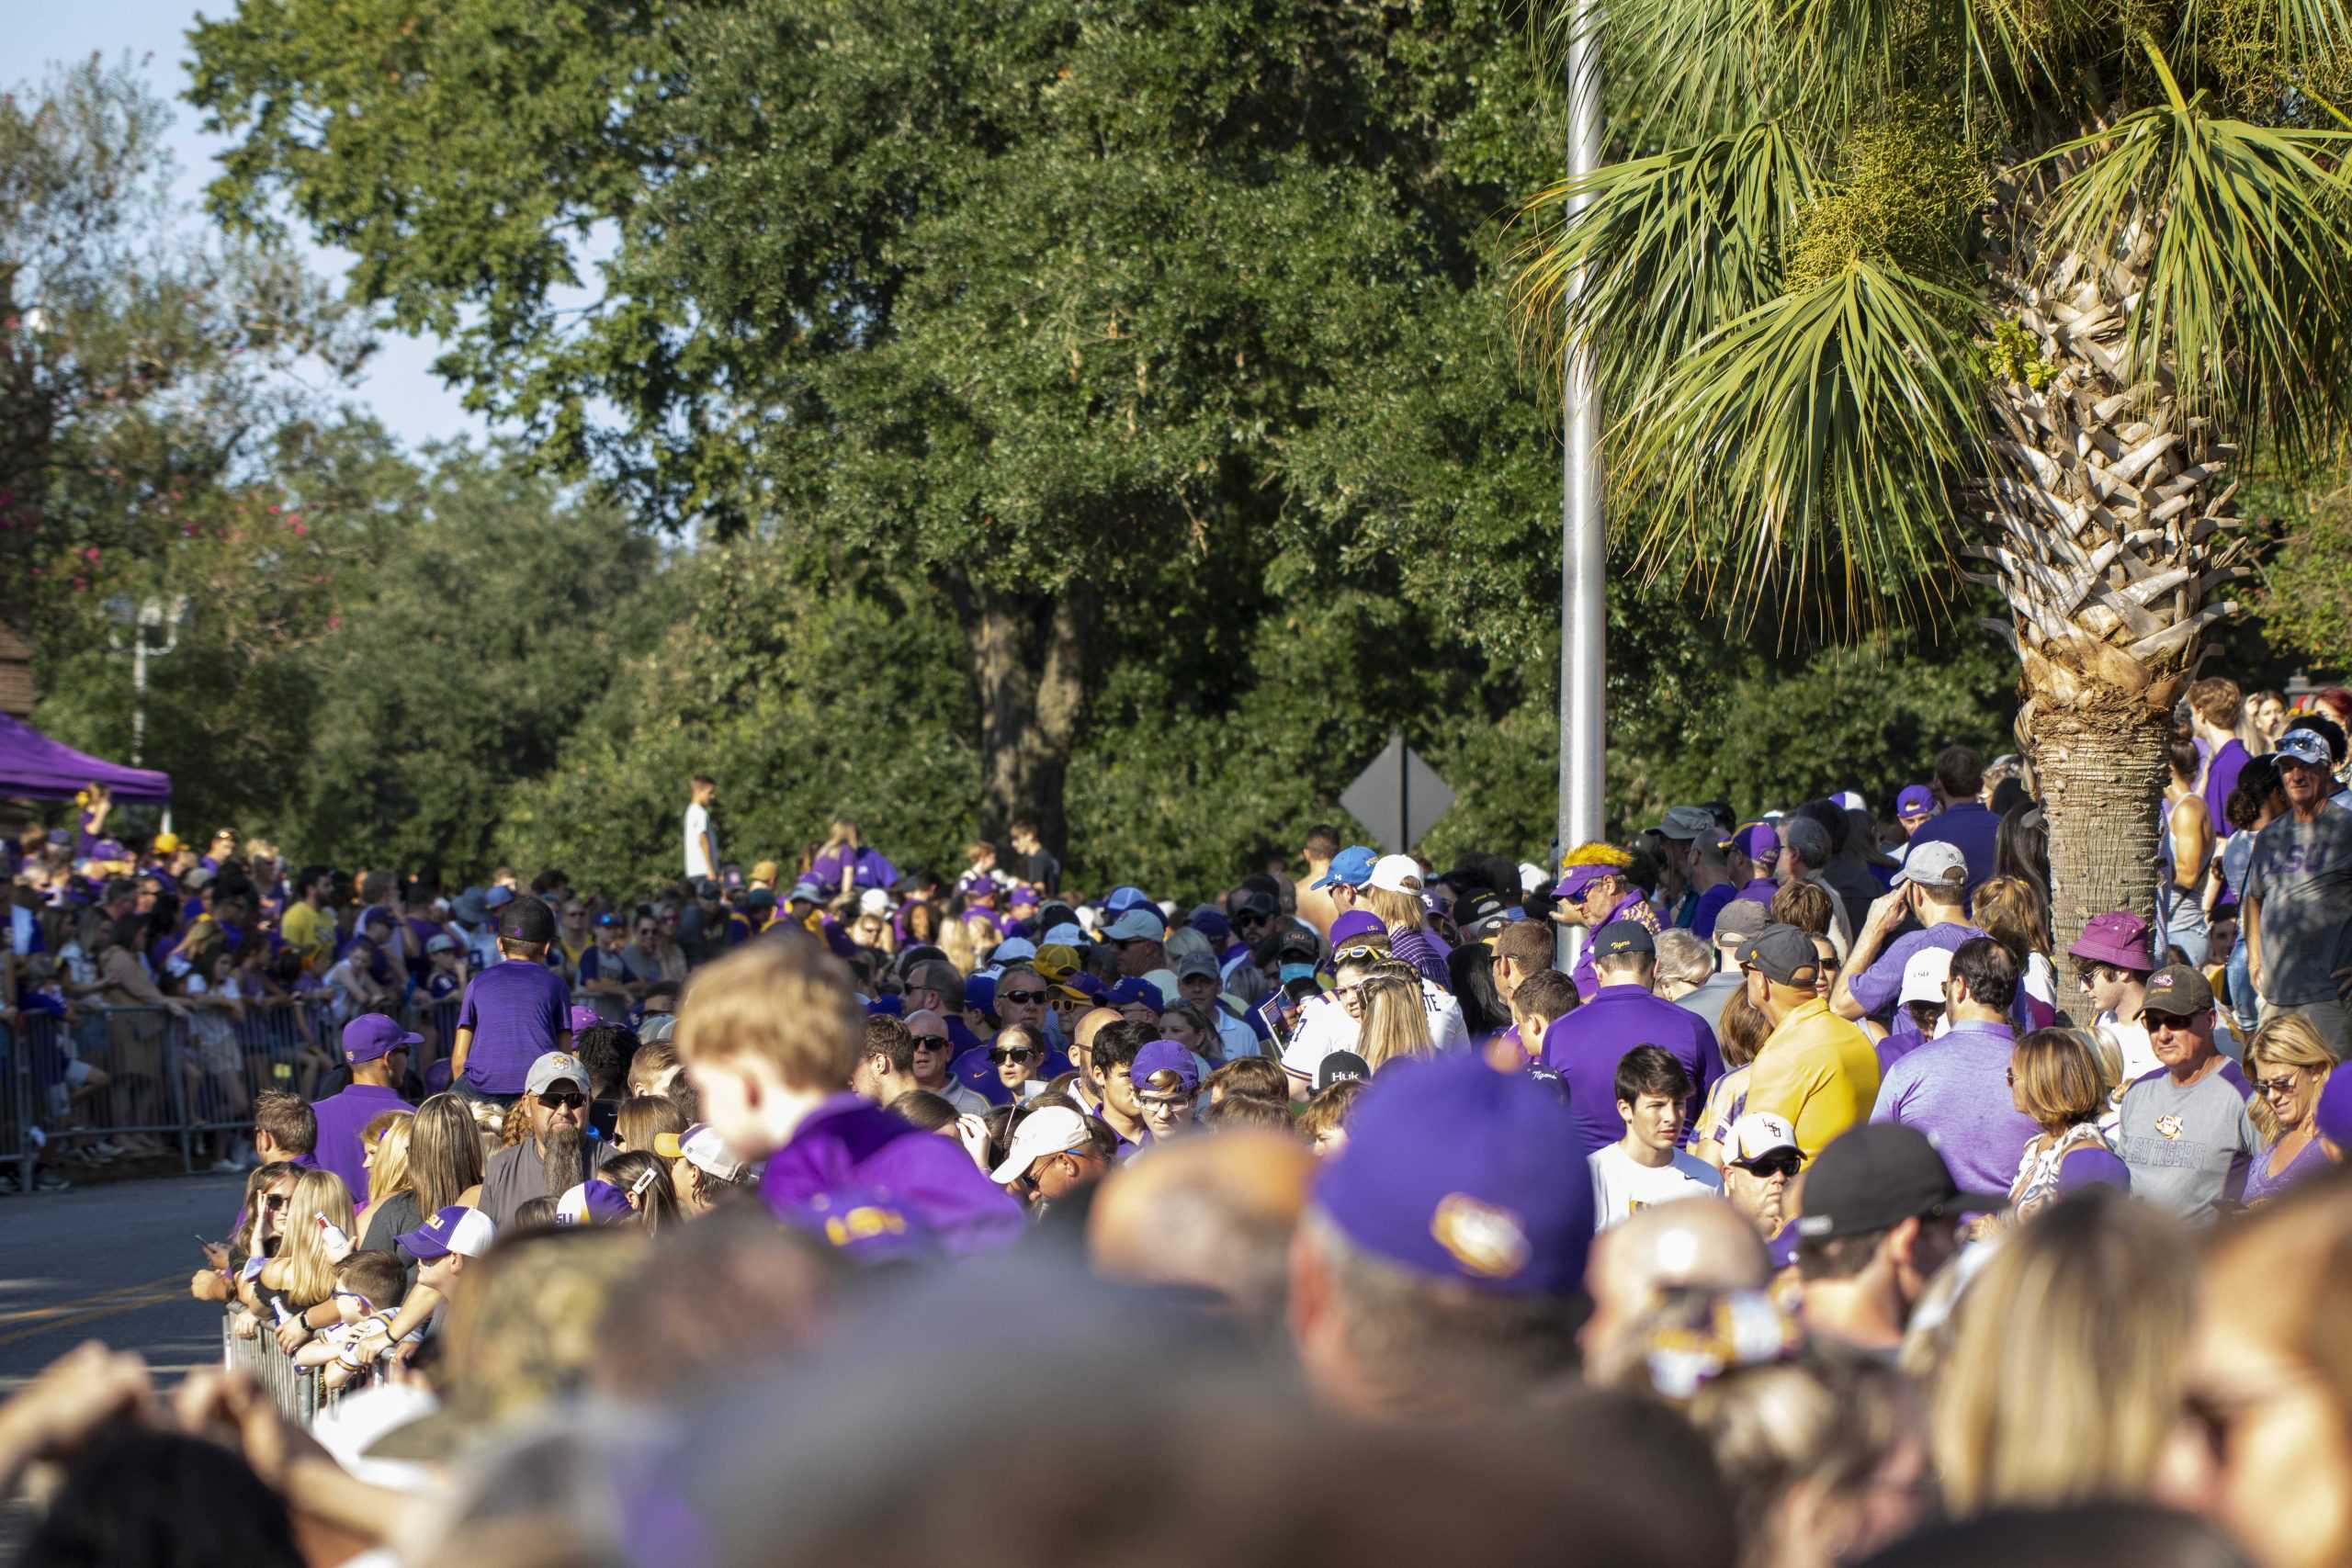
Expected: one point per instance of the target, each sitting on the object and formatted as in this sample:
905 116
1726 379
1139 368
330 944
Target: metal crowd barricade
294 1390
17 1116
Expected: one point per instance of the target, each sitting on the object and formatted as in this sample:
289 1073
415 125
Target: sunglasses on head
1017 1054
1023 996
564 1098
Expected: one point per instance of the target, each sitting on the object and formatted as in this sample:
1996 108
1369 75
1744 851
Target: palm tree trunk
2112 531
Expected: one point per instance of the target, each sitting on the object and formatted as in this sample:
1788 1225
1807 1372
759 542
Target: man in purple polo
1592 892
1955 1087
376 1049
515 1011
1965 820
1926 907
1585 1047
769 1035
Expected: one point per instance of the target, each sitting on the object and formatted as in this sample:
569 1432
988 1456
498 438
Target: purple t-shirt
1584 1047
850 1143
1970 826
1711 904
341 1119
2089 1167
517 1010
2220 777
866 869
1955 1088
1877 986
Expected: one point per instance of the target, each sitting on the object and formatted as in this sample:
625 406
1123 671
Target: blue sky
398 386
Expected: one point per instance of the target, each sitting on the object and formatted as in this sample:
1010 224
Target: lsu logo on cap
1487 1240
2162 983
434 1224
2169 1126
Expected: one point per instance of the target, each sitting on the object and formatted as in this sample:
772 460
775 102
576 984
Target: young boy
515 1011
1644 1168
769 1035
368 1290
1542 1000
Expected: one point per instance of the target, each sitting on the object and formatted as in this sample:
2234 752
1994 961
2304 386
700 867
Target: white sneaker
106 1148
226 1166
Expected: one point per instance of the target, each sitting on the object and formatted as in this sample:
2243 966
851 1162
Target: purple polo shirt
341 1117
1877 986
1970 827
1711 904
517 1011
2220 777
1634 907
1757 890
1955 1088
1585 1047
848 1142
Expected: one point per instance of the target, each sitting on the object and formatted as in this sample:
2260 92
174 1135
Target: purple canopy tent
32 764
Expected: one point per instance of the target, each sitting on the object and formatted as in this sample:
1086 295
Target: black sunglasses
273 1201
564 1098
1023 997
1774 1165
999 1054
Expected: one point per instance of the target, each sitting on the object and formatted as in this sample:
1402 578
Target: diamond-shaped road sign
1398 797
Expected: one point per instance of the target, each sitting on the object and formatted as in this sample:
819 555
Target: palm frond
2243 234
1671 247
2296 33
1814 446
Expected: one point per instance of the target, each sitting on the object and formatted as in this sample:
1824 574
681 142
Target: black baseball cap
527 920
1341 1066
1620 938
1481 913
1784 953
1878 1175
2177 990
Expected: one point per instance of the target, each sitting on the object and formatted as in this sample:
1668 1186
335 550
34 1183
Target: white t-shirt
2132 1041
1620 1187
1324 1027
698 824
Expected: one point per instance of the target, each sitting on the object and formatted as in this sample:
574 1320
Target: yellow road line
99 1303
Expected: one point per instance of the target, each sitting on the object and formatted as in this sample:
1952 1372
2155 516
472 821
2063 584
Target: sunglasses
273 1201
1018 1054
1782 1164
2275 1086
930 1042
1023 996
563 1099
365 1304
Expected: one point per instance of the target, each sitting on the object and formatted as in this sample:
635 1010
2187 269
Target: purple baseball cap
1165 1056
1916 800
2118 937
1210 923
1456 1172
979 993
1577 878
594 1202
436 1076
1351 865
371 1037
583 1018
2333 1115
1355 926
1757 840
1130 993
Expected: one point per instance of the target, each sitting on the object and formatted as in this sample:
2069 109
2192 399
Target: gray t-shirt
2188 1149
2301 872
1708 1001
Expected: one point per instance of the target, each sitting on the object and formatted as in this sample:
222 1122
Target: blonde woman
442 1166
1741 1030
2008 909
1395 895
2060 1079
2288 1064
303 1270
1395 1021
383 1153
2064 1373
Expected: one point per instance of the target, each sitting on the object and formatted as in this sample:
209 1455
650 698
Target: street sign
1399 797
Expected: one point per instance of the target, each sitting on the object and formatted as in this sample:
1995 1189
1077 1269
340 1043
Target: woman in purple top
846 863
2056 1079
2289 1065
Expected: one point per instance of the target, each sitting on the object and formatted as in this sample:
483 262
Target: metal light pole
1583 609
149 614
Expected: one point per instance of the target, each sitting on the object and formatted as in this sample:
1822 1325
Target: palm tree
1882 296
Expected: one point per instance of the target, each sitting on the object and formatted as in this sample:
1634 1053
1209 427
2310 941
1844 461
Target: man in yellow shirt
1816 1070
308 925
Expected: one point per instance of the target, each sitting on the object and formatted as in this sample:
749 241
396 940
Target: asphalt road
110 1263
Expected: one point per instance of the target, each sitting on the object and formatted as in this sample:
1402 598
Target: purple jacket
341 1119
1585 1047
849 1142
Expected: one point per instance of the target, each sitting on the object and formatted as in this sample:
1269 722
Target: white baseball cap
1924 974
1397 874
875 901
1053 1131
1936 861
701 1146
1756 1134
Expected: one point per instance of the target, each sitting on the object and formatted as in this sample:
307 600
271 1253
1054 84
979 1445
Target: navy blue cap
1620 938
1456 1172
1133 992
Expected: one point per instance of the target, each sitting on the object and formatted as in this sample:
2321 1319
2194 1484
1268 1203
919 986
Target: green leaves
1812 448
1672 246
2243 234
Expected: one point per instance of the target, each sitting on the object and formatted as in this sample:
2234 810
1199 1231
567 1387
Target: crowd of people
1780 1187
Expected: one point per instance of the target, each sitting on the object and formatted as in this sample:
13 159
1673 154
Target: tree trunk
2113 530
1028 662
